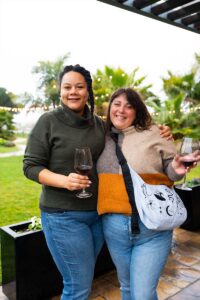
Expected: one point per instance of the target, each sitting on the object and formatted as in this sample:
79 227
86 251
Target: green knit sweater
51 145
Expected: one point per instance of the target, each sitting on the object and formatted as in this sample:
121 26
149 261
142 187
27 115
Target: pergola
181 13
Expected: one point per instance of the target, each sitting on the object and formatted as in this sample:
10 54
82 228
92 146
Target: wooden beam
191 19
143 3
185 11
167 6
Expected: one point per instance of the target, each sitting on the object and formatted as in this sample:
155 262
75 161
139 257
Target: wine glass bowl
83 165
188 146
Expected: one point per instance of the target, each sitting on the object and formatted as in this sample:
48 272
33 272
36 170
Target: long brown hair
143 118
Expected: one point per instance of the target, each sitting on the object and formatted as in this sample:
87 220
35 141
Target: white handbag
159 207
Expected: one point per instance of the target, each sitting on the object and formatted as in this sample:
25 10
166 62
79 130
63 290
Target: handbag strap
128 183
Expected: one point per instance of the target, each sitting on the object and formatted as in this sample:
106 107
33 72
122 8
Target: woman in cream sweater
139 258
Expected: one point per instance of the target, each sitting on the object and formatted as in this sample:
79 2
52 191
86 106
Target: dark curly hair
86 74
143 118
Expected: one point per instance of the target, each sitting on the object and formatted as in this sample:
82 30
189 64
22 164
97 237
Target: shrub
6 126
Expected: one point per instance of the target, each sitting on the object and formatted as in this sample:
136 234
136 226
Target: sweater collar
73 119
124 131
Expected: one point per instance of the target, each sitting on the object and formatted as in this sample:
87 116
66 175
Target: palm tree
106 81
48 75
188 83
181 108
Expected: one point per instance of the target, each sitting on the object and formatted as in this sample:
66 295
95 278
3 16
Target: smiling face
122 114
73 91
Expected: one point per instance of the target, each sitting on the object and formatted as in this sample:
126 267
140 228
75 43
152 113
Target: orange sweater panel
112 195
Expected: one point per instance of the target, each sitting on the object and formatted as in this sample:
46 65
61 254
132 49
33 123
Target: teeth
120 117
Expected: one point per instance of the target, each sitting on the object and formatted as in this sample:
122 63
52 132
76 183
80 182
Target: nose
121 108
73 90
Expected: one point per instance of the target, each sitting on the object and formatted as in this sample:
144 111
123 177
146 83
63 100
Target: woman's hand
165 132
75 181
179 165
71 182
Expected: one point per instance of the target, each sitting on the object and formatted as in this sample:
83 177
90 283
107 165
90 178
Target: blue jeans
139 258
74 239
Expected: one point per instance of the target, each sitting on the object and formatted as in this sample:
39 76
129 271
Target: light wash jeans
139 258
74 239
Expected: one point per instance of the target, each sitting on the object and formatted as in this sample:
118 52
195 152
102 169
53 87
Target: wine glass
83 165
188 146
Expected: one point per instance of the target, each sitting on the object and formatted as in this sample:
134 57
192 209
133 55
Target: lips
73 99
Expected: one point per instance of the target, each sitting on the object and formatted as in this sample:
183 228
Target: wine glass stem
184 182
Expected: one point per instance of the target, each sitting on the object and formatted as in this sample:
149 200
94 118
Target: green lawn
18 195
4 149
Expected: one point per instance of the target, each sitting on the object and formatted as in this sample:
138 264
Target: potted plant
28 270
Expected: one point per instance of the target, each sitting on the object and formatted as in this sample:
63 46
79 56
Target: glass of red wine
188 146
83 165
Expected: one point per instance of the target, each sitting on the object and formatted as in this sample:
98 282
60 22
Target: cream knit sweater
147 153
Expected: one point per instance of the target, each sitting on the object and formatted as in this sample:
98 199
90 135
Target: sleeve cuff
172 174
34 174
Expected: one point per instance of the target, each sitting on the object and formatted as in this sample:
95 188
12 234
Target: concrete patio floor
180 279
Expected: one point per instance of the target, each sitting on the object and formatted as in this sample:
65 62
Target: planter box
28 270
191 200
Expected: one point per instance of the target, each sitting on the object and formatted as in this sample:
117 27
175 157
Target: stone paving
180 279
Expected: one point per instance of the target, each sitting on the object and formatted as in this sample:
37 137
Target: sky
95 34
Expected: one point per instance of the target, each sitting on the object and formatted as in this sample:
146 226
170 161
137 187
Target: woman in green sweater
71 225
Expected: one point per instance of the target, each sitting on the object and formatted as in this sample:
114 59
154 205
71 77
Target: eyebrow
115 100
68 83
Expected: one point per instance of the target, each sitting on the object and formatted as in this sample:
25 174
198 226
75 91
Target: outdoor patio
180 280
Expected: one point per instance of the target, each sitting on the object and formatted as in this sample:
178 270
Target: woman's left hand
165 132
178 162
